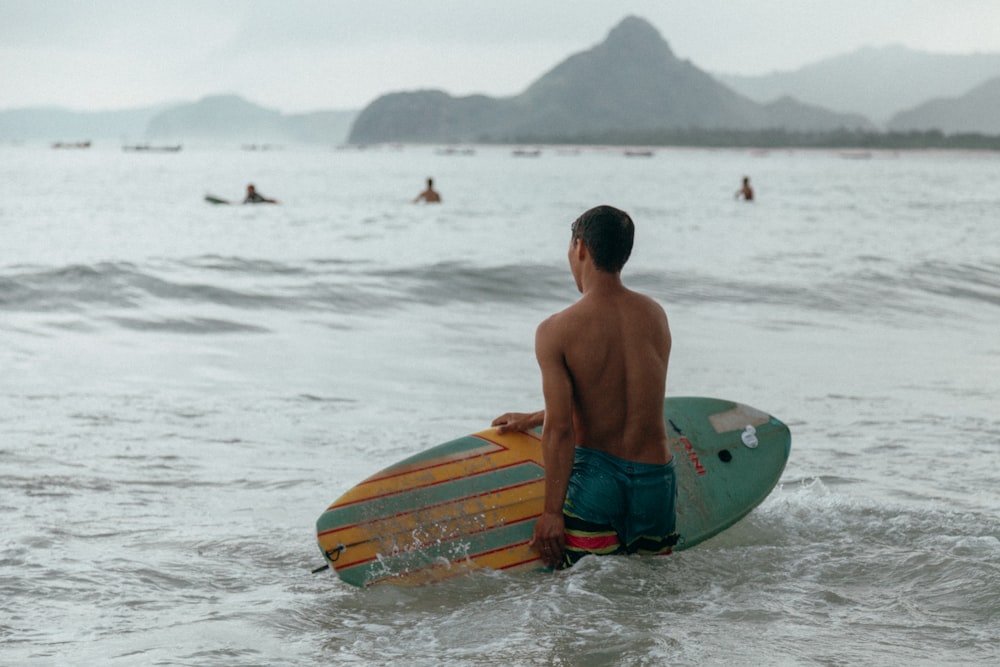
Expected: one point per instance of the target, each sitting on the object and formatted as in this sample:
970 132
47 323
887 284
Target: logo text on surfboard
691 454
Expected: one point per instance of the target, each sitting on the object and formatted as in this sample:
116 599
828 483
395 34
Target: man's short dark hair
608 233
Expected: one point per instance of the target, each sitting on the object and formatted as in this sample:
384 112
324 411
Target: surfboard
472 503
212 199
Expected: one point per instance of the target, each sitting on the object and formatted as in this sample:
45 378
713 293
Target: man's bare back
604 366
614 345
430 195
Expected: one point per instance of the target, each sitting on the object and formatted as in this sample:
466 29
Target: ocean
185 387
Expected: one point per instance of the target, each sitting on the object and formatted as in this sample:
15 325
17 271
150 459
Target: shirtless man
429 195
746 192
609 475
254 197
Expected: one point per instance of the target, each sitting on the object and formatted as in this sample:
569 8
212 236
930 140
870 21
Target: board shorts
615 506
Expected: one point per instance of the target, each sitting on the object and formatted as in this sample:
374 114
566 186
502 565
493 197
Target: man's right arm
558 439
512 422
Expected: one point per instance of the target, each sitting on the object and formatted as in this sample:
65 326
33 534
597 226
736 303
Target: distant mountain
219 118
320 127
232 118
875 82
52 124
631 82
791 114
976 111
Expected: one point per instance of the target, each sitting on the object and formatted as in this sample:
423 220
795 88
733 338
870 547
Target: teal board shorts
615 506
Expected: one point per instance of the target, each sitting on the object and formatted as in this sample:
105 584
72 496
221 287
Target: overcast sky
301 55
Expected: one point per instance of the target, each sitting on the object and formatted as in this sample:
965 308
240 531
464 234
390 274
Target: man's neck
597 282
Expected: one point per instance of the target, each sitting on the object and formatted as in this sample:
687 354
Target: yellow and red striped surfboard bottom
467 504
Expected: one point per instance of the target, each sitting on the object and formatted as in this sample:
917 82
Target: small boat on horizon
451 150
146 148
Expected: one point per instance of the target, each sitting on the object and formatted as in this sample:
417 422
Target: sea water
185 387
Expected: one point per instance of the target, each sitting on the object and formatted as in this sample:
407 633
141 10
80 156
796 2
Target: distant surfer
254 197
430 195
610 485
745 192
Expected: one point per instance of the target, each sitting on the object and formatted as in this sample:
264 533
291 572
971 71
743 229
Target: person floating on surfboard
746 192
610 484
254 197
430 195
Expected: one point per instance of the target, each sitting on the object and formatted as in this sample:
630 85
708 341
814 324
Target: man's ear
581 250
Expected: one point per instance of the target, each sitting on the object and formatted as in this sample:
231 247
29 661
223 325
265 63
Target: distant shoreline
764 140
776 138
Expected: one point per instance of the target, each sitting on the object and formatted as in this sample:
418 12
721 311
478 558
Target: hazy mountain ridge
976 111
232 118
876 82
54 124
630 82
213 118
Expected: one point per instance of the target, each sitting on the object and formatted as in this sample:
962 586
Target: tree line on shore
697 137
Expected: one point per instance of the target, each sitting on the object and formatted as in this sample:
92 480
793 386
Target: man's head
608 233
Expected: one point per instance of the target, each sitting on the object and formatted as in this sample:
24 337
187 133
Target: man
429 195
609 474
746 192
254 197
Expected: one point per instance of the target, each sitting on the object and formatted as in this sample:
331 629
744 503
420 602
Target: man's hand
513 422
550 537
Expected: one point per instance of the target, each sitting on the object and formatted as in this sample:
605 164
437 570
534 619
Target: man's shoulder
553 321
651 302
558 327
572 312
641 300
